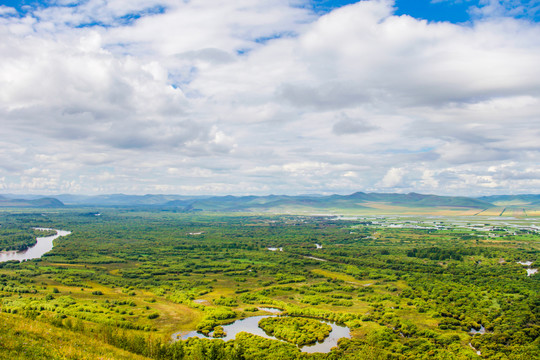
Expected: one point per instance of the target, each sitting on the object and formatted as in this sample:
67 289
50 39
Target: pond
530 271
251 325
42 246
480 331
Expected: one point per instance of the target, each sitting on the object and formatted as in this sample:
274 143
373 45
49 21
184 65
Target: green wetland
153 284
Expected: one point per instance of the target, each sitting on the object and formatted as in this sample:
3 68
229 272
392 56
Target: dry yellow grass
176 317
378 208
385 208
518 212
496 211
336 275
340 276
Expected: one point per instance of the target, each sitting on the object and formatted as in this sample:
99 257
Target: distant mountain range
43 202
353 201
529 199
358 202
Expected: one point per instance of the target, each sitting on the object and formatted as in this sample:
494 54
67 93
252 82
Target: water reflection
251 325
481 331
42 246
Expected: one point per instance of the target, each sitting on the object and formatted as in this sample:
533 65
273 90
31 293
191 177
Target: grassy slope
173 317
21 338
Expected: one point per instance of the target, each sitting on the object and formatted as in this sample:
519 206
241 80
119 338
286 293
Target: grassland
128 279
23 338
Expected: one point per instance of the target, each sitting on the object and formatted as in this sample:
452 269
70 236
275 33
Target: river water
251 325
42 246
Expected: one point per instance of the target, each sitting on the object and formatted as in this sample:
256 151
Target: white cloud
259 96
6 10
429 180
393 178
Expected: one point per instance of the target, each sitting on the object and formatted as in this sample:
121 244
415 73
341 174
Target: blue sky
19 5
267 96
454 11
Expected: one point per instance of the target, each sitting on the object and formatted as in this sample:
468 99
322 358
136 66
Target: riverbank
43 245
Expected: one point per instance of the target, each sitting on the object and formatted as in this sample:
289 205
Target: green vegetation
296 330
23 338
128 279
15 237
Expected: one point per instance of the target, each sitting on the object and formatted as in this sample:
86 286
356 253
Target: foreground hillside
26 339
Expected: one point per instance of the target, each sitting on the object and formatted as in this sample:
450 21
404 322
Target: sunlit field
407 287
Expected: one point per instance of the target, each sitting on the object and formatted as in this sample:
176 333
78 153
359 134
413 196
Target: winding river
42 246
251 325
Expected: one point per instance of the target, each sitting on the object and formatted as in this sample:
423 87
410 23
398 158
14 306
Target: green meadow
122 283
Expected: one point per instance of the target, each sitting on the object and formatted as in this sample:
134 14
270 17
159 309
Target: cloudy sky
270 96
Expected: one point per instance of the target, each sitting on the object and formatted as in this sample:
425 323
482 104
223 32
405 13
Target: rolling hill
44 202
526 199
356 203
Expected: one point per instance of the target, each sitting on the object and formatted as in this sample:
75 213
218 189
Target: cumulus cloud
261 96
393 178
6 10
501 8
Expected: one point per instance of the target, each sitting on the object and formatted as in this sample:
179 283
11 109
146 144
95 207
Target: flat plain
407 286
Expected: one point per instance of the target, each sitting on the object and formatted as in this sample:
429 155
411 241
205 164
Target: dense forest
296 330
125 280
17 238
